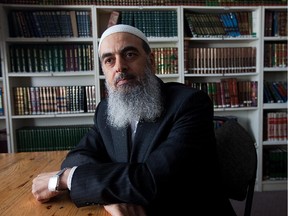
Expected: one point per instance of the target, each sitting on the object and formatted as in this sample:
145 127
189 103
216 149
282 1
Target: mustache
123 76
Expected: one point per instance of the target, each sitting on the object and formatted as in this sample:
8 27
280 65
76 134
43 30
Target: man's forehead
119 42
122 37
122 28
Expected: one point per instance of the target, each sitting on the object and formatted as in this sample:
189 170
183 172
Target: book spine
1 102
33 100
280 91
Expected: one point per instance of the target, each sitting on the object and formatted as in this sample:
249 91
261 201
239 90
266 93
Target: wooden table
17 171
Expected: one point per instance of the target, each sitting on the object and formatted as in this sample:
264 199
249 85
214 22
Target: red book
114 17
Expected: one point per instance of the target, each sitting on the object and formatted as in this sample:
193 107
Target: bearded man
152 148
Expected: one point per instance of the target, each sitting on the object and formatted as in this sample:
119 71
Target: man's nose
120 65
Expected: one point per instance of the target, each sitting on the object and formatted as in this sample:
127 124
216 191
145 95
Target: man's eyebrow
105 55
129 48
125 49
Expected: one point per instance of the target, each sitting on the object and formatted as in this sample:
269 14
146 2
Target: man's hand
123 209
40 186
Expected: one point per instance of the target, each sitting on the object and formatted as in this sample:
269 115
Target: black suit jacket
171 167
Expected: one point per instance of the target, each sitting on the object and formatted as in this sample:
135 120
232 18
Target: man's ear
153 62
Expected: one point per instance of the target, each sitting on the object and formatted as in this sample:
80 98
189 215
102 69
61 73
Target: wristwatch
53 183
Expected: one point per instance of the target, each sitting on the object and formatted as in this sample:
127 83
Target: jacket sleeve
90 149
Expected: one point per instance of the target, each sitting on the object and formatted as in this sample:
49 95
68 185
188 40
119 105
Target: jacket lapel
143 141
142 145
121 141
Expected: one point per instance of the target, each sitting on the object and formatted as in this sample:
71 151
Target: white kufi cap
122 28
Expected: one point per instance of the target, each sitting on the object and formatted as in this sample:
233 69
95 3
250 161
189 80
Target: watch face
53 183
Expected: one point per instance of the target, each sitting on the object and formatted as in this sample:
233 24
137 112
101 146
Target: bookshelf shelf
275 106
46 40
221 75
235 110
276 69
275 143
222 38
274 185
162 76
248 47
278 38
162 39
52 115
168 76
52 74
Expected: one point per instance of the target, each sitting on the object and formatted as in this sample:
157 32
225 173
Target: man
152 148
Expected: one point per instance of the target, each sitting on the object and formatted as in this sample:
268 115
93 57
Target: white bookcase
3 118
274 73
247 116
250 117
47 78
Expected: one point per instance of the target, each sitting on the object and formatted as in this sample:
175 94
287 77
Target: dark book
12 57
65 25
268 23
84 52
274 92
226 96
14 29
233 91
1 102
268 98
191 26
282 23
254 93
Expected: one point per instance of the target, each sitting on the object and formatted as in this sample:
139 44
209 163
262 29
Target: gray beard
137 102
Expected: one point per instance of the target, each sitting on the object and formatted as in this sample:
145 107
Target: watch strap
54 180
61 171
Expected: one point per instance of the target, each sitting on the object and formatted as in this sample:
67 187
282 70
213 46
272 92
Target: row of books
275 126
230 24
49 23
153 23
276 23
275 92
229 92
275 166
51 57
41 100
150 2
275 54
219 60
52 138
166 60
